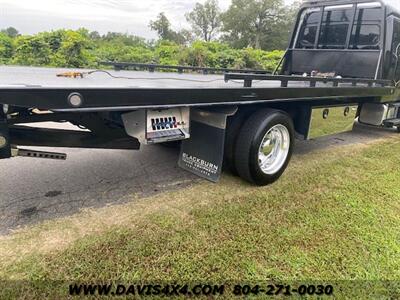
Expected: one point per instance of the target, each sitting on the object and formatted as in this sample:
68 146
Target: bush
73 51
84 49
32 51
6 48
169 53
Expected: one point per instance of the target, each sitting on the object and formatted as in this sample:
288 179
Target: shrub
32 51
80 49
6 48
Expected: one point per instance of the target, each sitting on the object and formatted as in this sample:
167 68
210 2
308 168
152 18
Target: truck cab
350 38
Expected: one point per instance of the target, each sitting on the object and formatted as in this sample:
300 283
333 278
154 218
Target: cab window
350 26
366 30
396 37
309 28
335 27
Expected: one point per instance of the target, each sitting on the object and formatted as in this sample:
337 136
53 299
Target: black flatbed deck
41 88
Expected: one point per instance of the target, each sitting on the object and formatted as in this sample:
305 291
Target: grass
333 217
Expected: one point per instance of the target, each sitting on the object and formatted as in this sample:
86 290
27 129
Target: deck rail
181 69
336 82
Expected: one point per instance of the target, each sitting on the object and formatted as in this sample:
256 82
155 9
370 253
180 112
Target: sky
126 16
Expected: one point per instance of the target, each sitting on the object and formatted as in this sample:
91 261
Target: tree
163 28
31 51
6 48
205 19
95 35
11 32
186 36
53 39
252 22
73 51
279 38
124 38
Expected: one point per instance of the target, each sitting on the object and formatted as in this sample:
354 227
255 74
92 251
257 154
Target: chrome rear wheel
264 146
274 149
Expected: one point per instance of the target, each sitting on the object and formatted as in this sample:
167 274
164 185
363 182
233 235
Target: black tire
249 141
234 124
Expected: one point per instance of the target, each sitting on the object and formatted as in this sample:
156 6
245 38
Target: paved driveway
32 190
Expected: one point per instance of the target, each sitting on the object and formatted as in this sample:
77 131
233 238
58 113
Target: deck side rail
336 82
181 69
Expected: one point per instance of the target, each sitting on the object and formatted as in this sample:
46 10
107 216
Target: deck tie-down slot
164 123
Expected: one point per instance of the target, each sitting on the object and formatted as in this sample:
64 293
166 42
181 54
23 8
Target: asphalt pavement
34 190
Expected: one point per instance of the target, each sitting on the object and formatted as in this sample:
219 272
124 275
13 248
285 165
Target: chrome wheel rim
274 149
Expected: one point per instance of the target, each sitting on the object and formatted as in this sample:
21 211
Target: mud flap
203 153
5 147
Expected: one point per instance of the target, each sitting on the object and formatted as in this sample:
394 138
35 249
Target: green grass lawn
333 217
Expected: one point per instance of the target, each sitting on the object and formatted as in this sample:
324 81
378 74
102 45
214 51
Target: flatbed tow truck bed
127 90
245 118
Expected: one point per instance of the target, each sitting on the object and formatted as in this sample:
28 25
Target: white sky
127 16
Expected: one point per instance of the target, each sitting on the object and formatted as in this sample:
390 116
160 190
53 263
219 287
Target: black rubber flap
203 153
5 151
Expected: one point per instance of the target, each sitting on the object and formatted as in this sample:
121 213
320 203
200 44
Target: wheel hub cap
274 149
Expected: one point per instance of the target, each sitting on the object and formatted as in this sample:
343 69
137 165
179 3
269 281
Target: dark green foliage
249 33
31 50
6 48
84 49
73 51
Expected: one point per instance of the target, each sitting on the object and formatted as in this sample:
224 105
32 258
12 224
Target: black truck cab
351 38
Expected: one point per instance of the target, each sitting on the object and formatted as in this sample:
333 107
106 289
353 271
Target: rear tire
264 146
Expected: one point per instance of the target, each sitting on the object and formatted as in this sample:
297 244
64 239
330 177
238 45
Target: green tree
31 51
6 48
11 32
73 51
253 22
54 39
77 49
124 39
94 35
279 37
163 28
168 53
205 19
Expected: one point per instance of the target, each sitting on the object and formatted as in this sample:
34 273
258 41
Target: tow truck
342 64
